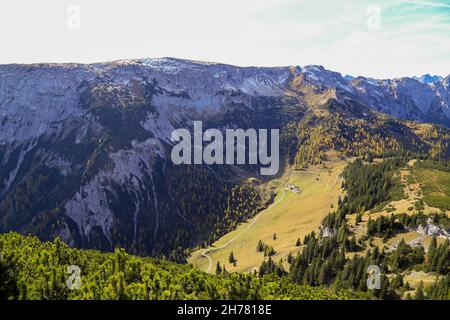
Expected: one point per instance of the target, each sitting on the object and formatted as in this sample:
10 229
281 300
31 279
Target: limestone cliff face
84 149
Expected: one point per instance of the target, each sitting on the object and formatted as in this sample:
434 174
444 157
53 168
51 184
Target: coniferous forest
340 261
329 266
31 269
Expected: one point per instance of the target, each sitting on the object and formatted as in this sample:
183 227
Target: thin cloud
426 3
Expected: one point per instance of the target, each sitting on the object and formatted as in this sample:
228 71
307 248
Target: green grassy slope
292 216
434 179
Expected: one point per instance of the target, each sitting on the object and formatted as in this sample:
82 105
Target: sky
375 38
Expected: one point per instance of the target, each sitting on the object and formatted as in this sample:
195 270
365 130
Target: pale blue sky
413 38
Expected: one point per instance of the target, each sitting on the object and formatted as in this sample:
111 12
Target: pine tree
298 243
431 255
442 257
231 258
260 247
224 270
419 292
353 246
269 251
218 268
290 258
324 273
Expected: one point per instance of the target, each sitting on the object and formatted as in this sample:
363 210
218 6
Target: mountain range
85 148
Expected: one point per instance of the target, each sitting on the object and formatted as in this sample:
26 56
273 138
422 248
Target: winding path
206 251
256 218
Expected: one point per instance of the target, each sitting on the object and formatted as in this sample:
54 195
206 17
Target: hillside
30 269
85 157
392 213
293 214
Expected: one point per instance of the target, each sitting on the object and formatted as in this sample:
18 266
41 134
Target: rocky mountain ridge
84 148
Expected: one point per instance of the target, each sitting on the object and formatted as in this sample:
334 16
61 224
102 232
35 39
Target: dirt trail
255 219
320 176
